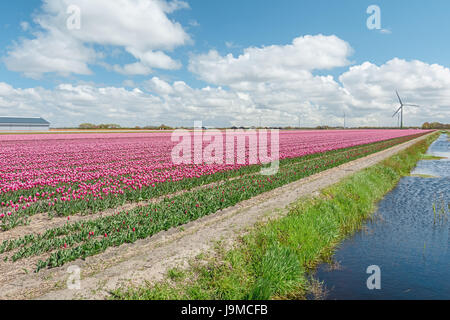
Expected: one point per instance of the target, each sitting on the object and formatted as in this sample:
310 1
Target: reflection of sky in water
438 168
404 240
441 147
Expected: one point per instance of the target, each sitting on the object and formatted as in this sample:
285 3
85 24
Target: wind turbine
400 109
345 118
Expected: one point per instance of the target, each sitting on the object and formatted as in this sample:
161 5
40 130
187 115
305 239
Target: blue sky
416 31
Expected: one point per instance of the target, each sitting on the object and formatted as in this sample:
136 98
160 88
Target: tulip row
65 168
87 205
86 238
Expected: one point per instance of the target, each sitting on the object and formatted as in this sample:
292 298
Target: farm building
23 124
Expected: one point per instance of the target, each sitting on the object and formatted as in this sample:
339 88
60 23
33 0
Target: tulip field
82 175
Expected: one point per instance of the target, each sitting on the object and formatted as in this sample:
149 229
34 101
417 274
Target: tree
435 125
164 127
87 126
100 126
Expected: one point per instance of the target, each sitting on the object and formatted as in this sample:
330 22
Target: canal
405 244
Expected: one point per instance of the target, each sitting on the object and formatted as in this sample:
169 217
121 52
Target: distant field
72 176
75 131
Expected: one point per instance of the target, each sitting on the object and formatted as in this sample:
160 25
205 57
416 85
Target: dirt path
40 222
149 259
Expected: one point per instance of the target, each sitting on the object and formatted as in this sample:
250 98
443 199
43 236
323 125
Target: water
405 239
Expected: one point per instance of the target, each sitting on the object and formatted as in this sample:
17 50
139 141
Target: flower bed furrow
66 207
87 238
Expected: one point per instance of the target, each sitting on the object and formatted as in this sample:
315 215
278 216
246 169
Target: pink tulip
93 167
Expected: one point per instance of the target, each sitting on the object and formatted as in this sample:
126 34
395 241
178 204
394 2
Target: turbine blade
412 105
398 110
398 96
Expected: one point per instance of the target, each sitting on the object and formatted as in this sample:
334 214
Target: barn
23 124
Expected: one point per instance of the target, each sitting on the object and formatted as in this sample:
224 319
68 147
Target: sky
225 63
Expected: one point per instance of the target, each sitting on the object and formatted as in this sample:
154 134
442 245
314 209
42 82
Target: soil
149 260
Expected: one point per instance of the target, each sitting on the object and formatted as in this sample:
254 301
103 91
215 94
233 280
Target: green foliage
279 272
99 126
435 125
271 262
320 160
86 238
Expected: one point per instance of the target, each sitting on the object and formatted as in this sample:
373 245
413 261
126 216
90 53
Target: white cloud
373 87
288 62
280 81
230 45
155 59
69 105
136 68
247 91
25 26
194 23
141 27
159 86
50 52
128 83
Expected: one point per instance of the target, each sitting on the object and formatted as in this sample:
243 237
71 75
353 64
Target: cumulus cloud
155 59
372 87
159 86
136 68
141 27
276 62
365 93
69 105
280 80
274 85
50 52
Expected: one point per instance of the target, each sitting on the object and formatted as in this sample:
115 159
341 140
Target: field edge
273 260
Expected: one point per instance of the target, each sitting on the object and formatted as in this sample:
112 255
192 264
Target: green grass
273 260
431 157
175 274
419 175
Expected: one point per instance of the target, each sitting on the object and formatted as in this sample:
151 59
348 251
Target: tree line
435 125
91 126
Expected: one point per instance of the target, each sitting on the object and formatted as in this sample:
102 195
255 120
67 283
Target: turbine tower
345 119
400 109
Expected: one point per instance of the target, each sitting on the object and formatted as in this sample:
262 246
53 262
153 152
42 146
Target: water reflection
439 168
408 239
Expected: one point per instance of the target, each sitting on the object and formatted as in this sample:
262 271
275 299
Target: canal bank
273 260
407 240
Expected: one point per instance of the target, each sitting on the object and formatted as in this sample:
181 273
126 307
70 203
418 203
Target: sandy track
41 222
149 259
